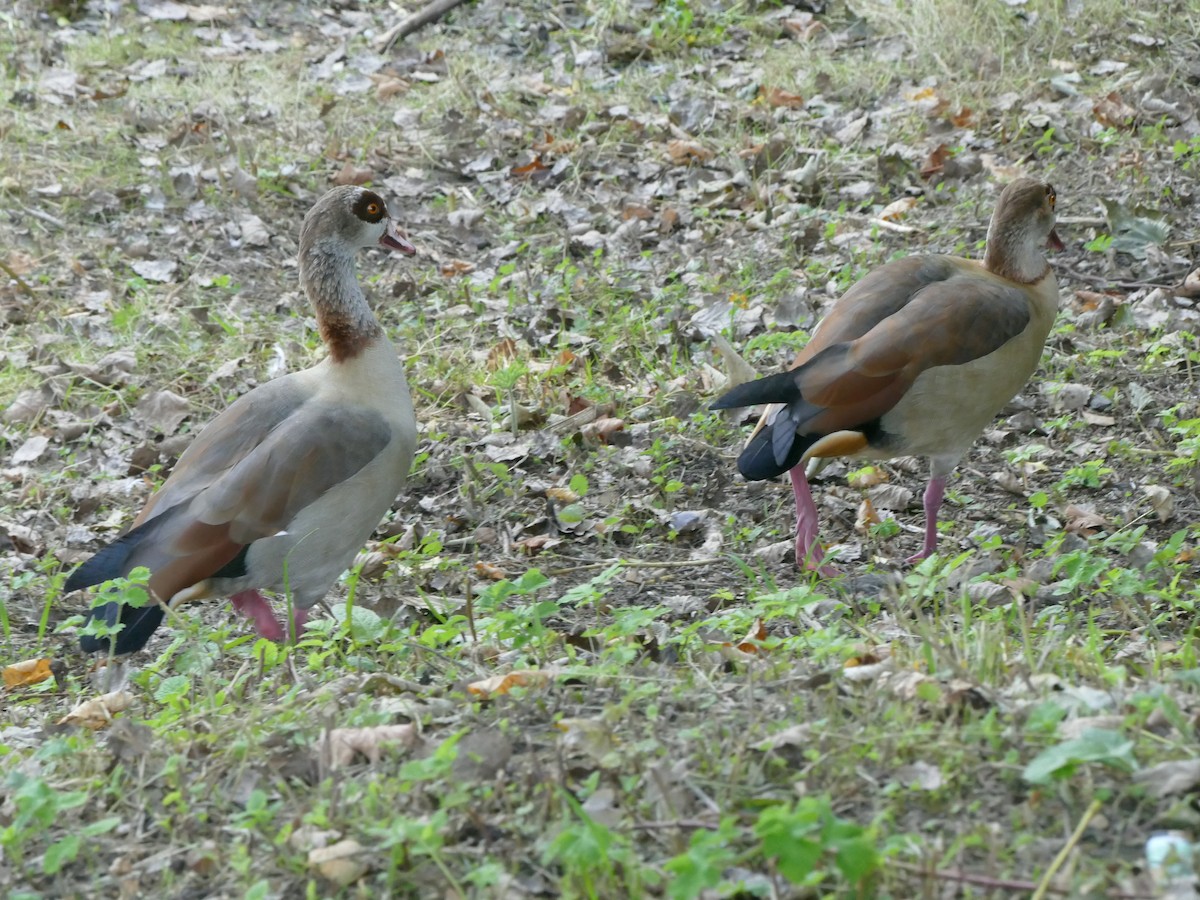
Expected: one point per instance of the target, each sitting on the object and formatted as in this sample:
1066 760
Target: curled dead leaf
502 354
935 161
1161 501
487 570
802 26
562 494
530 168
602 430
780 98
352 174
897 209
341 744
342 863
963 118
29 671
1112 111
98 712
1083 519
684 152
455 267
537 543
498 685
866 516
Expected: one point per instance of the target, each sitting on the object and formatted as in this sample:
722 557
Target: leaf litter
551 211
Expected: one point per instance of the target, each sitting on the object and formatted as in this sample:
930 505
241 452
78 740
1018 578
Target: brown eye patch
370 207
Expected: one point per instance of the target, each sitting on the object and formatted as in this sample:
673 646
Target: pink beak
395 239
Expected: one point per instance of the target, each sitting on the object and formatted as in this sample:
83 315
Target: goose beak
395 239
1054 242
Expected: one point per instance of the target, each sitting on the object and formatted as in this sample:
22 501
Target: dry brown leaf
388 86
341 744
935 161
502 354
897 209
780 98
752 642
342 863
498 685
802 26
455 267
1082 520
562 494
669 220
1086 301
866 516
536 543
29 671
1112 111
602 430
352 174
550 144
890 496
487 570
530 168
636 211
98 712
684 152
963 118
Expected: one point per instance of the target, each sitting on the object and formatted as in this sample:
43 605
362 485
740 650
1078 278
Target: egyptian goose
914 360
281 490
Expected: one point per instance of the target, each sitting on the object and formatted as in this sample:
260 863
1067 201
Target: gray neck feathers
1014 251
328 276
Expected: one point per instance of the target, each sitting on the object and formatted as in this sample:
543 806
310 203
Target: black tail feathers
109 563
139 622
758 461
778 388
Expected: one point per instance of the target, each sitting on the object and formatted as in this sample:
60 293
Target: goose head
349 218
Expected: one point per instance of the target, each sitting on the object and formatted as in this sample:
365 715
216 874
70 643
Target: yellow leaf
29 671
498 685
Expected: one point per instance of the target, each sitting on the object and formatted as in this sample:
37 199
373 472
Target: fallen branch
430 12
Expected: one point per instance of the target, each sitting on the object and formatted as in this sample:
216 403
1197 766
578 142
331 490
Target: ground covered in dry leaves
577 659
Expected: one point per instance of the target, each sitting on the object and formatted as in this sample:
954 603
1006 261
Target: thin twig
1044 885
21 285
44 216
1102 282
986 881
430 12
675 823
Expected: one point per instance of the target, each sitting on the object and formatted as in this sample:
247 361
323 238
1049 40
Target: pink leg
254 606
299 617
808 547
934 492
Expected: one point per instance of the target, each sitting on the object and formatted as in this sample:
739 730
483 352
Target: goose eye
373 208
1051 197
